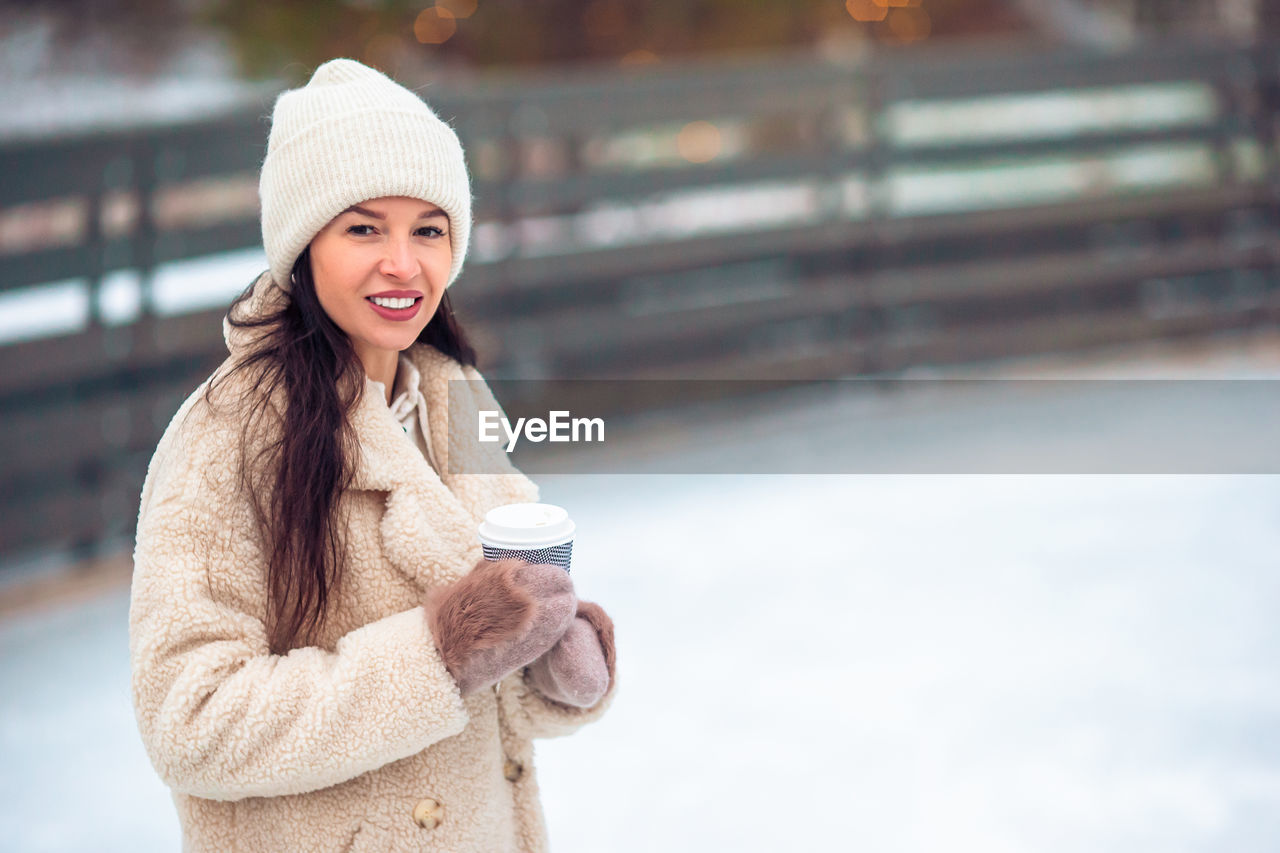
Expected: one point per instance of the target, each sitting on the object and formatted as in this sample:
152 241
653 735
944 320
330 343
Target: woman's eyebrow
426 214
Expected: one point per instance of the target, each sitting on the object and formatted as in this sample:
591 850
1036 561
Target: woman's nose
398 260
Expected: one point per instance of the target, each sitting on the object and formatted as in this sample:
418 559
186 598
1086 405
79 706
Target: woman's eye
365 230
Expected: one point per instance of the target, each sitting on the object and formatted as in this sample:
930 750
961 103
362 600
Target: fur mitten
499 618
579 668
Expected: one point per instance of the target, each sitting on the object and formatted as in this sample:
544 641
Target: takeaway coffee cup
535 533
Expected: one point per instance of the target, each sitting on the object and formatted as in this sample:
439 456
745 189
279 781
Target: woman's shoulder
231 397
230 417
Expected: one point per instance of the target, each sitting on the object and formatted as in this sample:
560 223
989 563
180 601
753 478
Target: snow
52 86
76 777
979 664
176 288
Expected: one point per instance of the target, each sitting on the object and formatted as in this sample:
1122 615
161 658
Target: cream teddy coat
361 742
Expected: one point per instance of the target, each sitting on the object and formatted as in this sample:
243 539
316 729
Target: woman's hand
578 669
498 618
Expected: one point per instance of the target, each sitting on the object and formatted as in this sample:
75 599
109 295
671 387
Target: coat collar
429 524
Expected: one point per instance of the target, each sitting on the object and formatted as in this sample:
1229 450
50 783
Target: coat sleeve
221 717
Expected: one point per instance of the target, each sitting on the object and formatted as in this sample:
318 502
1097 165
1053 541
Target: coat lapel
481 476
428 526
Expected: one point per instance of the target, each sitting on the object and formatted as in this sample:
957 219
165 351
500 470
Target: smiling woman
380 271
321 659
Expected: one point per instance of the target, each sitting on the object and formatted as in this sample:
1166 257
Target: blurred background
731 190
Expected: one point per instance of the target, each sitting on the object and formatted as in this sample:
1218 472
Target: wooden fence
793 217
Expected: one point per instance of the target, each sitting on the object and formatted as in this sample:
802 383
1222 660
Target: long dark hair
298 477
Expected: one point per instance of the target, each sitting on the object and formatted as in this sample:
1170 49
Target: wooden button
513 770
428 813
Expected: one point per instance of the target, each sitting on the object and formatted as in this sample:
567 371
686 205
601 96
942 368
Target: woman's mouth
395 307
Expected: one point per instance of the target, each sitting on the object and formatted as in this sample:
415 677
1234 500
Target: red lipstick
399 314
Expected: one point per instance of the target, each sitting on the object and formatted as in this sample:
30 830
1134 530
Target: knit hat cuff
346 159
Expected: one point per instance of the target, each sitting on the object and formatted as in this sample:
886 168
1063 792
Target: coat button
428 813
513 770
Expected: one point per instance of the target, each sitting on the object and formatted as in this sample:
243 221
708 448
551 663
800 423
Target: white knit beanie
349 135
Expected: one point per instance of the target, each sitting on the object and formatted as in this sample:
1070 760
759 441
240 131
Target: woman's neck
380 366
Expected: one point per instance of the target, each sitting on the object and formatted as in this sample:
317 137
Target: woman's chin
398 342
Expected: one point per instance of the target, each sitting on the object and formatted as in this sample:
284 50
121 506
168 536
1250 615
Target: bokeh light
699 142
434 26
866 11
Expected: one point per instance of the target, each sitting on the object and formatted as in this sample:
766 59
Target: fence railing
785 218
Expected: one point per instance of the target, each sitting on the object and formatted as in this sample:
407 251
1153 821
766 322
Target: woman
321 661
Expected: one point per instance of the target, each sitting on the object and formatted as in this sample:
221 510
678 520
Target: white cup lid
526 525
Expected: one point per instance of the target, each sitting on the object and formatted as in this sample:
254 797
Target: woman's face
380 268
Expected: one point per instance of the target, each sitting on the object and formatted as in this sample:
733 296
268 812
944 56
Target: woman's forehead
376 207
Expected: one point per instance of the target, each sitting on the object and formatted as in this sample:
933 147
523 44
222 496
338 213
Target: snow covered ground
880 663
